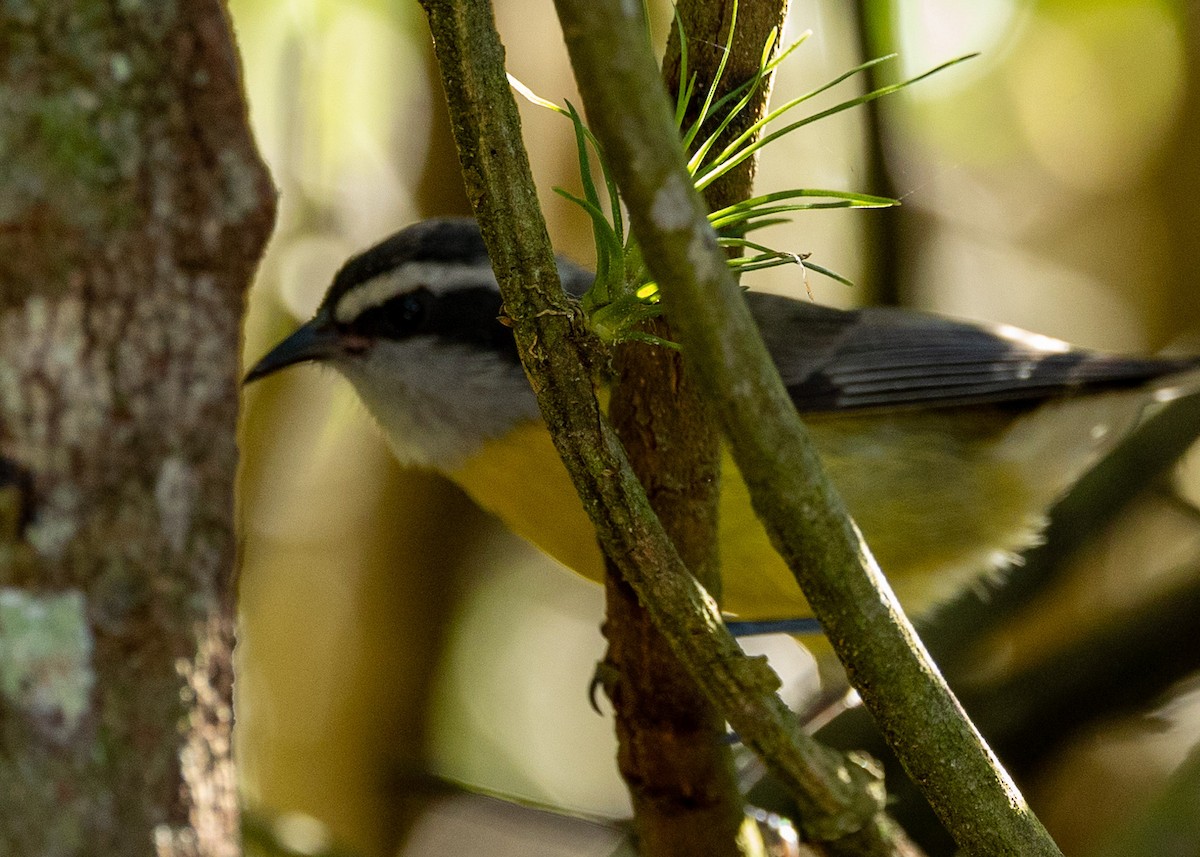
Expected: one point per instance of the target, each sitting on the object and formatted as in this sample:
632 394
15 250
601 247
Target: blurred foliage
390 631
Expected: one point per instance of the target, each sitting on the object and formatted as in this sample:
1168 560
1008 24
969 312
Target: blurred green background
391 631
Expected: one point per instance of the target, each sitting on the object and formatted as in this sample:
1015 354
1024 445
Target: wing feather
835 360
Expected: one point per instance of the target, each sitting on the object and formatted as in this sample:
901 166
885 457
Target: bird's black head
433 278
413 324
431 243
430 279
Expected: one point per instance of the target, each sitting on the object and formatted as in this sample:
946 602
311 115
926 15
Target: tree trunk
134 208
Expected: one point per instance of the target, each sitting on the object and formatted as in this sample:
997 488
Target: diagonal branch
840 797
672 753
887 664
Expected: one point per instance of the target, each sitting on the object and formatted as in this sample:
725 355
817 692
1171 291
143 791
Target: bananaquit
948 441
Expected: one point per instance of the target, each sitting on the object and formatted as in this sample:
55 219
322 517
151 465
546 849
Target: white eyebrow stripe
437 277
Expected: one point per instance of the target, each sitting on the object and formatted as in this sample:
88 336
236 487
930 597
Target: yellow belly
929 548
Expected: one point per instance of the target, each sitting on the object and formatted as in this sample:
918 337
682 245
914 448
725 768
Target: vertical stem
840 795
807 523
671 749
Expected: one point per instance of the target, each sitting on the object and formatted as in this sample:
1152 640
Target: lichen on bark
134 210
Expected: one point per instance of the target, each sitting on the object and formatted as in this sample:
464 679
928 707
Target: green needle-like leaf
826 272
690 136
749 150
622 295
739 91
697 160
735 217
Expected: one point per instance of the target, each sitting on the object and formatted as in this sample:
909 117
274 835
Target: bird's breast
937 507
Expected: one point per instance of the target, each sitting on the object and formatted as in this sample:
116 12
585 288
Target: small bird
947 440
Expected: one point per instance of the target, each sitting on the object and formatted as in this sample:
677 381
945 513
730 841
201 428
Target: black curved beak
316 340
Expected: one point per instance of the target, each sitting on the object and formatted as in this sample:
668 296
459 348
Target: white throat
438 402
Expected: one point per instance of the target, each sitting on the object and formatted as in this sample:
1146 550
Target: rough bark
803 515
841 796
133 211
672 754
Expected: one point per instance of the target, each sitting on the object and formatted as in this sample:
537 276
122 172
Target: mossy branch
886 663
840 796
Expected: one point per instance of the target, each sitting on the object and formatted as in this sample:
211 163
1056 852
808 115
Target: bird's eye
397 317
412 308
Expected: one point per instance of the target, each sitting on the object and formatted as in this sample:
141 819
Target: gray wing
835 360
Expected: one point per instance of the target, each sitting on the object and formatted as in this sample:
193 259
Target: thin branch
672 753
1124 665
840 796
885 661
1118 668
